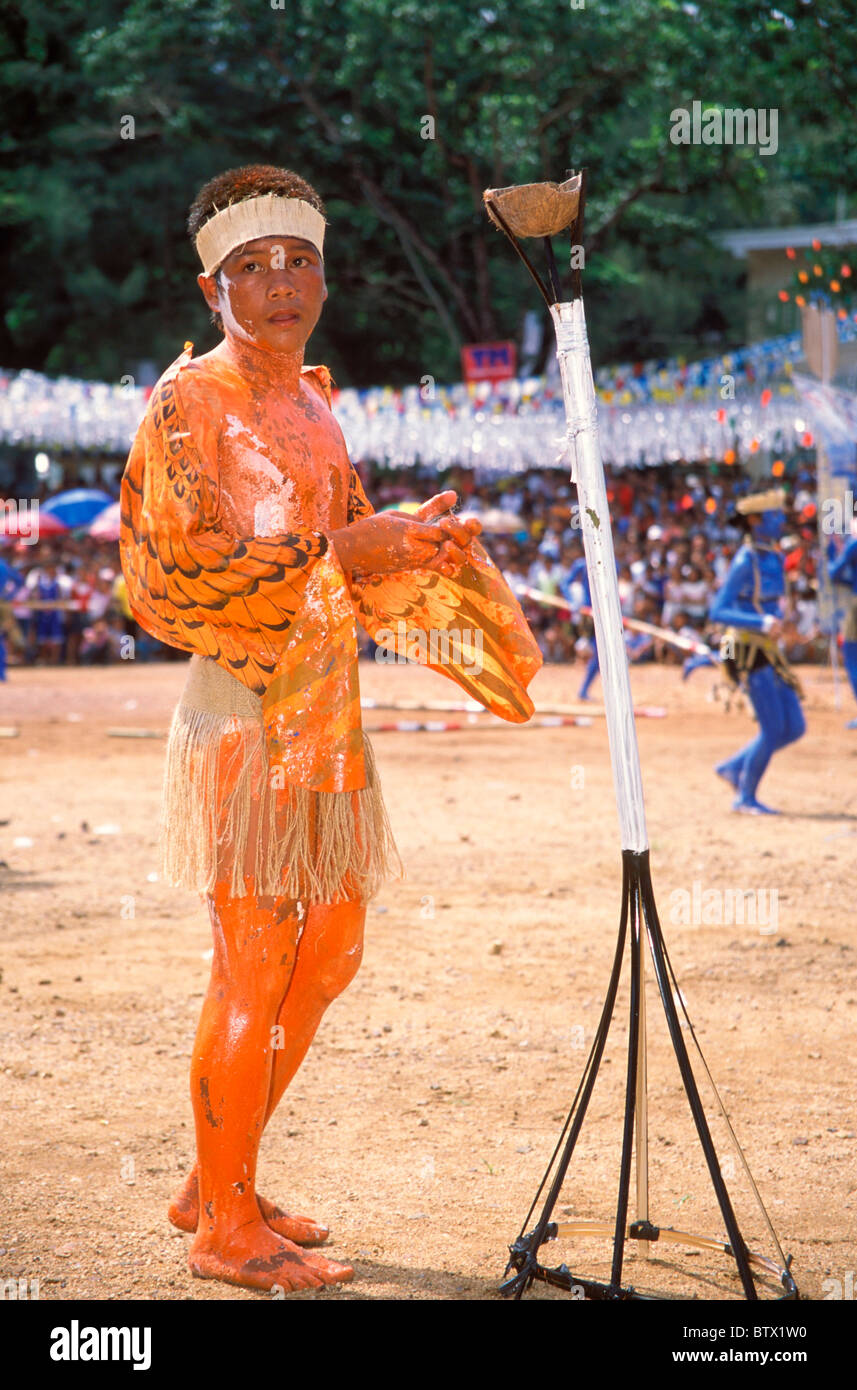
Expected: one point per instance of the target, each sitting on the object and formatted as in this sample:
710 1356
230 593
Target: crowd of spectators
674 538
63 601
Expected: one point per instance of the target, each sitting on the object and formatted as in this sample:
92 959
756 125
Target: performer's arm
393 542
190 582
493 655
731 607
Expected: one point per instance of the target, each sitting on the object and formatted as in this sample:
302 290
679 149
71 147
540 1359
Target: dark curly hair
250 181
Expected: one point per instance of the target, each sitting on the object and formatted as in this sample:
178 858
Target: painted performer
844 571
748 606
247 540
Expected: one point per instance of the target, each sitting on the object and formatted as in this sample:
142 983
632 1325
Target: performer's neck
266 370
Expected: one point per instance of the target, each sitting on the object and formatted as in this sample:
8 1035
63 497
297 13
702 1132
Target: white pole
588 473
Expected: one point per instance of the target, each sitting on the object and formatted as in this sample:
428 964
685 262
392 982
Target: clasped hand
391 541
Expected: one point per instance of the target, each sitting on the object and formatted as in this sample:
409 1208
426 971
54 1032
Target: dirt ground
424 1116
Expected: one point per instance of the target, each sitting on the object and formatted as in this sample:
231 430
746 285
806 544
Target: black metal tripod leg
584 1096
736 1240
631 1082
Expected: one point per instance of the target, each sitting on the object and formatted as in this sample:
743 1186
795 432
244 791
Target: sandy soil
423 1119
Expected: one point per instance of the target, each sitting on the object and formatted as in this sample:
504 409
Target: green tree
401 113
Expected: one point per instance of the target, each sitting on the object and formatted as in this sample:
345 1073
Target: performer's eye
252 265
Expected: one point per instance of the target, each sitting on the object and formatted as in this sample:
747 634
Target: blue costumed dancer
844 571
748 606
578 575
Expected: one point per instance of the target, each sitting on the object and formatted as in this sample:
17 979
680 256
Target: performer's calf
329 955
255 942
325 961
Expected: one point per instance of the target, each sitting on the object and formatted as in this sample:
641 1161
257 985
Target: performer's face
269 292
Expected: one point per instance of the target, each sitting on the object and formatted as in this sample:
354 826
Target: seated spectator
99 644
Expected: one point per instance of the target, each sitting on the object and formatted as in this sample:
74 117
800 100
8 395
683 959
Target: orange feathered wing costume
275 613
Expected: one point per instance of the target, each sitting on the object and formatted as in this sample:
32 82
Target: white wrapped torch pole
587 471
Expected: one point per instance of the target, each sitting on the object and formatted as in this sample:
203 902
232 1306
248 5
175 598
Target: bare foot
255 1258
184 1214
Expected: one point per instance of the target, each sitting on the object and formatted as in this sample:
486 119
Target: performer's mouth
284 317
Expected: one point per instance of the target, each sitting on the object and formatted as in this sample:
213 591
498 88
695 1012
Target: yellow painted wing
273 611
473 629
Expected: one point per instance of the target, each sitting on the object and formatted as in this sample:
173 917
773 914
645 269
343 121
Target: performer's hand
460 534
392 541
776 629
388 542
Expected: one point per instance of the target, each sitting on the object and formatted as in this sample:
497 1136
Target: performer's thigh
795 724
255 938
773 712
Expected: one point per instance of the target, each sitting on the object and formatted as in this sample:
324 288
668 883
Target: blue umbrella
78 506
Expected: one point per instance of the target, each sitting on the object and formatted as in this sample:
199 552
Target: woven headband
268 215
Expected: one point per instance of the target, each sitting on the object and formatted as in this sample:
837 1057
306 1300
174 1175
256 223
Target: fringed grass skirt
227 819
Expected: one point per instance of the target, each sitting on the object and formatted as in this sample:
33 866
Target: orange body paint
237 479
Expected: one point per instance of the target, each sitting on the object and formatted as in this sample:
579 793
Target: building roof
741 243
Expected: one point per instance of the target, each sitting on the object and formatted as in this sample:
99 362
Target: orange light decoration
800 301
765 398
721 416
806 440
841 314
803 276
754 446
816 245
778 468
784 296
845 270
835 286
710 505
817 270
729 456
790 252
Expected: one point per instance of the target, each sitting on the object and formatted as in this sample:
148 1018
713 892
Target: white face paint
232 325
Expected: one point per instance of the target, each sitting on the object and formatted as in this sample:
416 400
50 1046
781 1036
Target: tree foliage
98 271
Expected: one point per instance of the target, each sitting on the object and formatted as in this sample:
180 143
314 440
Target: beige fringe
224 820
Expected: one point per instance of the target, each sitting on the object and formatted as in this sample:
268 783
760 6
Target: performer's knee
337 972
339 947
796 727
255 945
